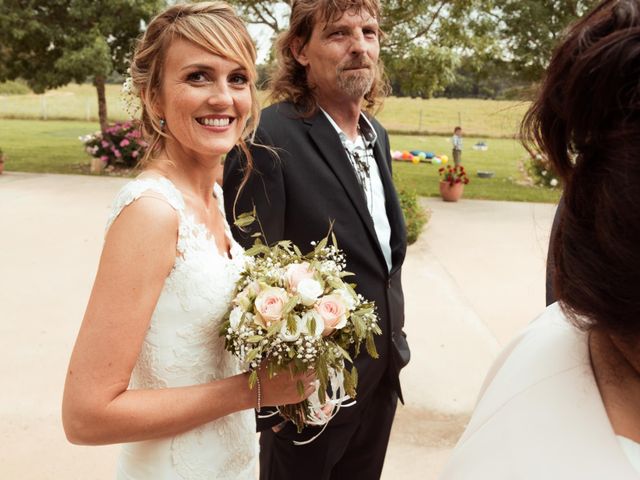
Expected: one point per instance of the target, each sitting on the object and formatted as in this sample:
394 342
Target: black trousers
349 450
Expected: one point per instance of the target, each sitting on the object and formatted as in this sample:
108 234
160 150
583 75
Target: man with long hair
327 162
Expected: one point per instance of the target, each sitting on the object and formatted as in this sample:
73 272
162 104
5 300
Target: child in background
457 145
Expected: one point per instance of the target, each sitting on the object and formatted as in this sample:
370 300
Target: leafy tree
530 30
54 42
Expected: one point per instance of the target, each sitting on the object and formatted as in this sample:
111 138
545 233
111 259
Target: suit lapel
328 143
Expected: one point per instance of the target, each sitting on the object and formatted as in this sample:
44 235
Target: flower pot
451 193
97 165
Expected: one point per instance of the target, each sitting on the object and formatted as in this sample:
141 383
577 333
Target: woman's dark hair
586 119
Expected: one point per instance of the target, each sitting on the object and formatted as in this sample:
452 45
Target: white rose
309 291
306 324
235 317
553 182
347 297
289 336
544 173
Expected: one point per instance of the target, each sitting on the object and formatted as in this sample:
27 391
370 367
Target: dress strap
160 188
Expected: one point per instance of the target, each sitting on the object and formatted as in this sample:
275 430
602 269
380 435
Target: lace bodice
182 348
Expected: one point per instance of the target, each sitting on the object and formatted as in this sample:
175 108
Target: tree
52 43
530 30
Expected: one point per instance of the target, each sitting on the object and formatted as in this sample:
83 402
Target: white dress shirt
362 149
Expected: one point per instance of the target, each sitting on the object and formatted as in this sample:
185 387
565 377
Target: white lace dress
182 348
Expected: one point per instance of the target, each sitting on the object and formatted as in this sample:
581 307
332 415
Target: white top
182 348
457 142
362 148
540 414
631 450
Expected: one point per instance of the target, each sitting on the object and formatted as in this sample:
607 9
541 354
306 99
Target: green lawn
483 118
504 157
53 147
39 146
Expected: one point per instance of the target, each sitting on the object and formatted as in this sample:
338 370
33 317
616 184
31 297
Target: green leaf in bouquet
297 250
320 246
245 219
322 373
273 329
300 387
253 378
358 325
354 378
311 324
291 304
349 386
257 235
257 249
335 283
344 353
365 311
371 347
334 240
291 323
344 273
253 353
224 327
254 338
292 353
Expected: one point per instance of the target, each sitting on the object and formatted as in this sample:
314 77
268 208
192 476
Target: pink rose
134 154
269 304
296 272
332 309
124 143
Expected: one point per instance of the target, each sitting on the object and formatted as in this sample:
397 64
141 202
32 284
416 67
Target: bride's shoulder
147 198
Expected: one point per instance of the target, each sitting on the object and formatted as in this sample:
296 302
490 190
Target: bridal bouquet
294 312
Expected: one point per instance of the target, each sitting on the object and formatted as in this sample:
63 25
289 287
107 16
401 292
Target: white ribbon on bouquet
321 414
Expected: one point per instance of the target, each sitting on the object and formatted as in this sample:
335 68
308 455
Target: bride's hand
282 389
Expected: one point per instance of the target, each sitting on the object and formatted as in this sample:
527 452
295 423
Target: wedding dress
182 348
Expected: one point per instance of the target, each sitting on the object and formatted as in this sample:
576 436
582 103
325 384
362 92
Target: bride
148 368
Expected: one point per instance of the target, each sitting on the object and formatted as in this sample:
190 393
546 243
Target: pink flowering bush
121 145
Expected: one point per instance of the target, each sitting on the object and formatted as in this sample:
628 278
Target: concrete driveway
472 281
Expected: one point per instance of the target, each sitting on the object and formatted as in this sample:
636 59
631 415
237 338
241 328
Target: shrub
14 87
414 215
541 171
121 145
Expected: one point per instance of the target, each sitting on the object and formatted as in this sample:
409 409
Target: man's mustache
361 63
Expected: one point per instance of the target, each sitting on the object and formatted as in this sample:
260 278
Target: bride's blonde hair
215 27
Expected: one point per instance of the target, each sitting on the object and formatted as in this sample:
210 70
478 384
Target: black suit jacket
308 185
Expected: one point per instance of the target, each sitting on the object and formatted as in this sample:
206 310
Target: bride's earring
163 123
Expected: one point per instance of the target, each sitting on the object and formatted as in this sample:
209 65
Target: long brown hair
587 120
289 80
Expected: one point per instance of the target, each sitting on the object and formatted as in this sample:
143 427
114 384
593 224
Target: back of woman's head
587 121
213 26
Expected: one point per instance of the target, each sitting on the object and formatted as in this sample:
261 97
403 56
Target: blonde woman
148 368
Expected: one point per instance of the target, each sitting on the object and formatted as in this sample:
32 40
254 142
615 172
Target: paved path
475 278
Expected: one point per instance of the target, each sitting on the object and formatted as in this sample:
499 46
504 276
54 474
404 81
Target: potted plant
2 159
452 182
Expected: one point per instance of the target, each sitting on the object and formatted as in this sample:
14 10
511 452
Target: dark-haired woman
563 400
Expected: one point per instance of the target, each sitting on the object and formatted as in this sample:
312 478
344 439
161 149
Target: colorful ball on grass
396 155
415 160
444 158
422 156
406 155
436 161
